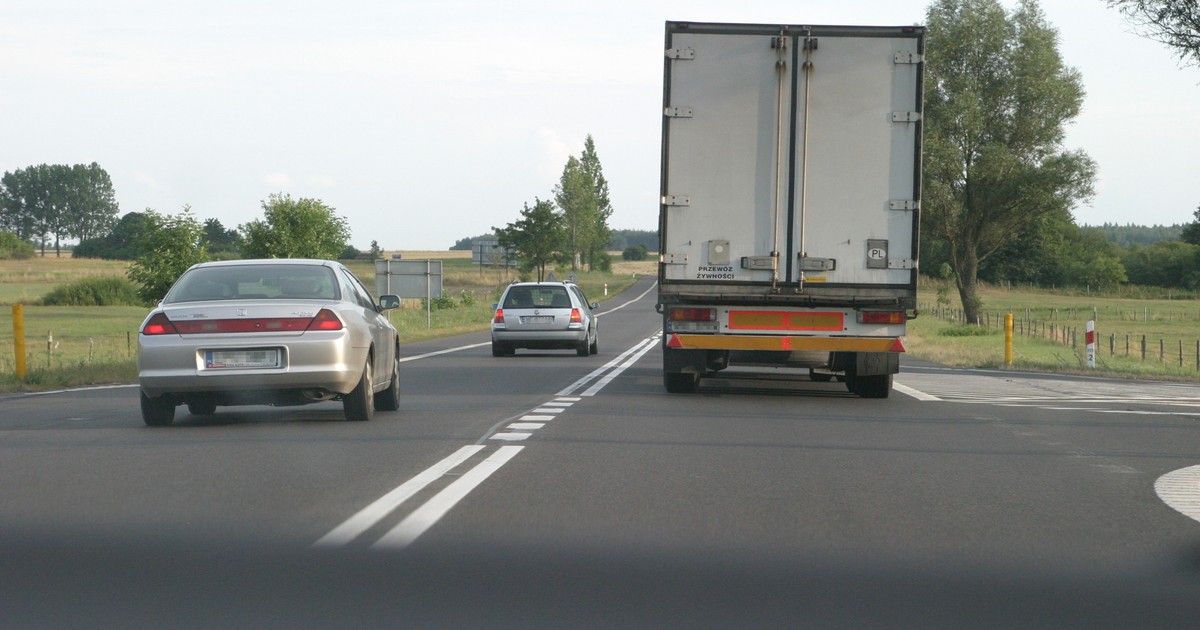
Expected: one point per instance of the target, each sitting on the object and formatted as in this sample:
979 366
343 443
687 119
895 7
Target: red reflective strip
1091 337
274 324
673 342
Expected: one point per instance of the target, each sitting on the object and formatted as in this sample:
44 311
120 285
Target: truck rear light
159 325
692 314
882 317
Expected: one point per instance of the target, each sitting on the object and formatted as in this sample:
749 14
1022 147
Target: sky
424 122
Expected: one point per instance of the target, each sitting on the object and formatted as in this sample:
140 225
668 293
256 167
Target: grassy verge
79 346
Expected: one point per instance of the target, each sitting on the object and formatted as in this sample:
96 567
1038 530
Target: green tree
1191 231
537 239
1175 23
90 207
13 248
295 228
121 241
221 240
997 99
57 200
166 248
582 195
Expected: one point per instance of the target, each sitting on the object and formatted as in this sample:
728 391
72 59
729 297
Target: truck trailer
790 200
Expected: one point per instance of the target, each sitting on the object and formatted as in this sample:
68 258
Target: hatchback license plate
537 319
227 359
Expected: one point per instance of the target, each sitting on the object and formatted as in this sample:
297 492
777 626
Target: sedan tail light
159 325
325 320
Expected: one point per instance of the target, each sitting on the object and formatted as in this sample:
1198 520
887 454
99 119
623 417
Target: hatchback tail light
159 325
499 318
576 317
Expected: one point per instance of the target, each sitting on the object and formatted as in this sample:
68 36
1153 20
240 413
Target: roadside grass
75 346
1049 334
95 345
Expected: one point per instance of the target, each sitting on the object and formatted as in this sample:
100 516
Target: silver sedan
273 332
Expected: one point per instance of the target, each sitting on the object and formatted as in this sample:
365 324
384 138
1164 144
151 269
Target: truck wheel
876 386
680 382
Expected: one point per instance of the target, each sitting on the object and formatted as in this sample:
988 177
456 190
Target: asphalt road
551 490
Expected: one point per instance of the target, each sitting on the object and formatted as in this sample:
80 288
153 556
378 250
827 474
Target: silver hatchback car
544 315
273 332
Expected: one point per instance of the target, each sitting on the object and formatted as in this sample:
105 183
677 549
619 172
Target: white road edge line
434 509
377 511
487 343
915 393
447 351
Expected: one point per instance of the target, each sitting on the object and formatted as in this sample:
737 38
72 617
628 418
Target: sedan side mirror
389 301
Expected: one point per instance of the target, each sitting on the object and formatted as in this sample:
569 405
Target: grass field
68 346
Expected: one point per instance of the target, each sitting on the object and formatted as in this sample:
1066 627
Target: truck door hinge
902 263
676 200
904 204
906 116
681 53
674 259
677 112
909 57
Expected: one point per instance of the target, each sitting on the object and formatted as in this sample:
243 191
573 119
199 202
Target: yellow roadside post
18 311
1008 339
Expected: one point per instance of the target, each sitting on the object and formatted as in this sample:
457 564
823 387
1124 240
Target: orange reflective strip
785 320
772 342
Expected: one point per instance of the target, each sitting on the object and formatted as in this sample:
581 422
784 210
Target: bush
13 248
967 330
95 292
634 252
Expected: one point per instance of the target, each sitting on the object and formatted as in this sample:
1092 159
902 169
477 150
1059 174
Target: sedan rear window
255 282
537 297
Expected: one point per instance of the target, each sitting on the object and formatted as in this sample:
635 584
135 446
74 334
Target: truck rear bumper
784 343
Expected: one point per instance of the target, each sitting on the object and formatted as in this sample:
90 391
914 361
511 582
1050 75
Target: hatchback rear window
537 297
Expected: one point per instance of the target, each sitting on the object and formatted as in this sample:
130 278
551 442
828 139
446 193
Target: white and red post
1091 343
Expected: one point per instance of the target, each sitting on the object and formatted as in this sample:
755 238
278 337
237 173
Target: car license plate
233 359
537 319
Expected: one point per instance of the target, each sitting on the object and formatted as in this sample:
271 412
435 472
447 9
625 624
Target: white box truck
790 199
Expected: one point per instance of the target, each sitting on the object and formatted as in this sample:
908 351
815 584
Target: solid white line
434 509
448 351
375 512
594 389
915 393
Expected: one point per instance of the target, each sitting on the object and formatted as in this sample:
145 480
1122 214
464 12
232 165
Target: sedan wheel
389 399
359 405
157 412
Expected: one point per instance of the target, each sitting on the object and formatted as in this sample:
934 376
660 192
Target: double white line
429 513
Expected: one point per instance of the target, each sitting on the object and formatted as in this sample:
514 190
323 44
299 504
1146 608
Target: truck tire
680 382
875 386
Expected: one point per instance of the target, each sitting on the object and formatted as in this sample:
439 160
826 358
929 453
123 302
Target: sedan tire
157 412
359 404
389 399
